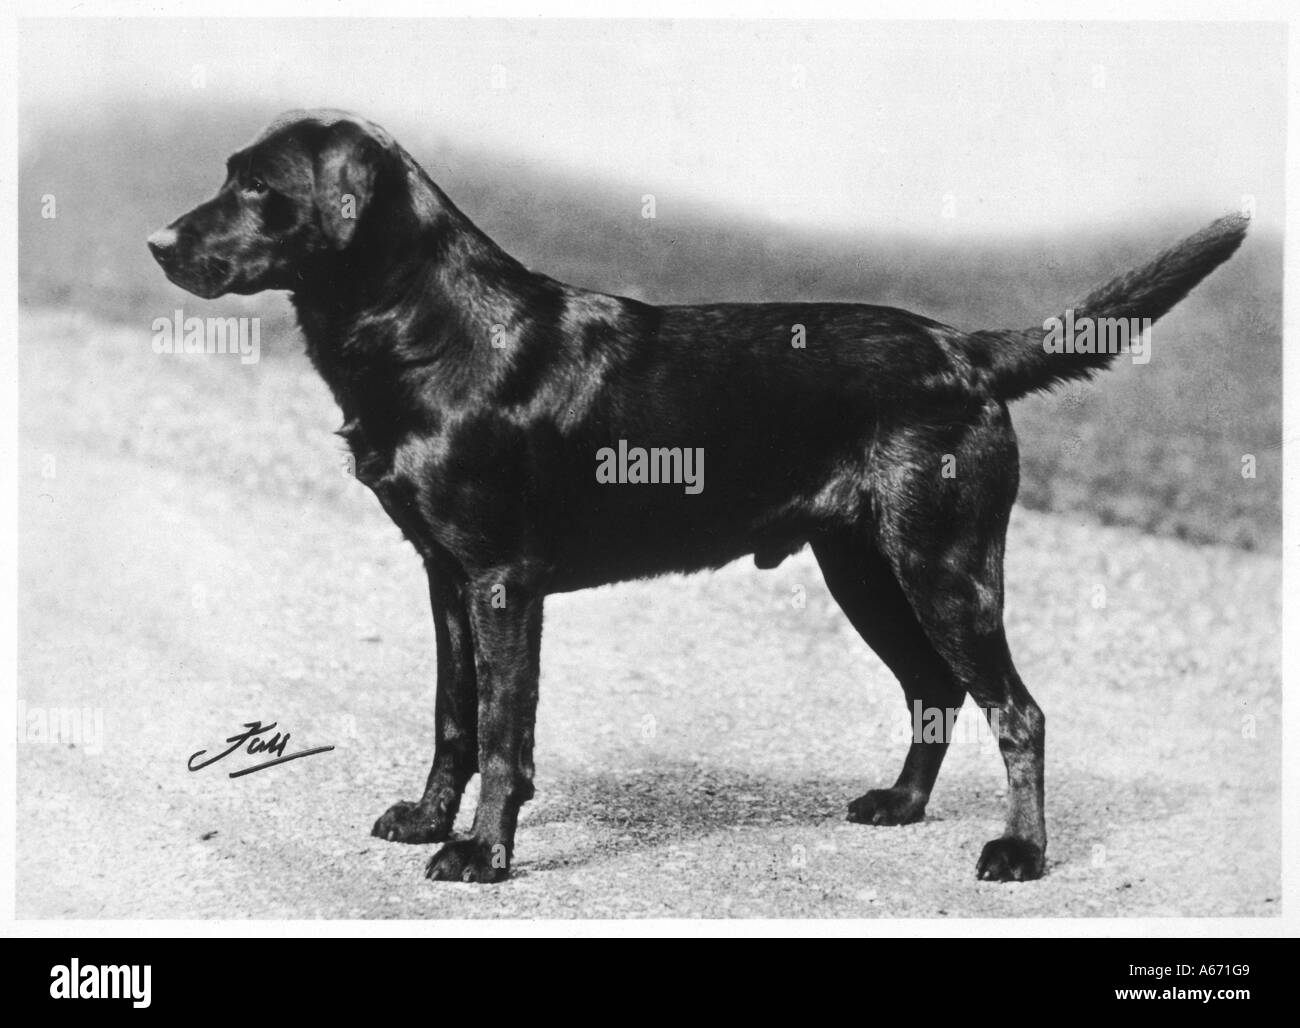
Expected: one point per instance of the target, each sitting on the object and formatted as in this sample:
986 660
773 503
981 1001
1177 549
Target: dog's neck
419 284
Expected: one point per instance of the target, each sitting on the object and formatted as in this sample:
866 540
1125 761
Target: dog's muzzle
206 277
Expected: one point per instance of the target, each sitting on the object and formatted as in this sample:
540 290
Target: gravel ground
197 561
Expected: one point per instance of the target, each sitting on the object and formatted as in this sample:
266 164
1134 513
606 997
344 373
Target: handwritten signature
274 745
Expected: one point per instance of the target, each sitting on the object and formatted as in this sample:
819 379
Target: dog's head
294 195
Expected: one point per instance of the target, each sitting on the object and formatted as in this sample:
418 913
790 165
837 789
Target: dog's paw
1010 859
413 822
887 807
468 860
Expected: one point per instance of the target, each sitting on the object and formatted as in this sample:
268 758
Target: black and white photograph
688 469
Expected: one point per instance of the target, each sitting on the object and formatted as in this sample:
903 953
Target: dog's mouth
206 277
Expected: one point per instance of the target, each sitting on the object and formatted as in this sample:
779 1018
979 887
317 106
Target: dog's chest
376 468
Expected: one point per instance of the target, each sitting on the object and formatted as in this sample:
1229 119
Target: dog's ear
346 167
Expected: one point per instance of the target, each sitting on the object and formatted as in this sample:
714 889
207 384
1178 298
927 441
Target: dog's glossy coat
476 395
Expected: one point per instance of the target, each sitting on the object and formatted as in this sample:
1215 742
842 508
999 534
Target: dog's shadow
581 816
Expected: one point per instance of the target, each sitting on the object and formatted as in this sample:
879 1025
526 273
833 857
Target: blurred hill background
1158 447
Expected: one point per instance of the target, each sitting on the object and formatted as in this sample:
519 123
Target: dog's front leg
507 624
455 757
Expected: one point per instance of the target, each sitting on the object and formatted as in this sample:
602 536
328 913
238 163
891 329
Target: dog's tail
1014 363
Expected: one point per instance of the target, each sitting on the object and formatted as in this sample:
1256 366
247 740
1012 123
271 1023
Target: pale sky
852 125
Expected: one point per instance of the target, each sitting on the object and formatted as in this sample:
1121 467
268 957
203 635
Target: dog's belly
591 535
618 559
620 532
590 518
606 566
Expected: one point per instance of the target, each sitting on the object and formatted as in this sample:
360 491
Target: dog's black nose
162 243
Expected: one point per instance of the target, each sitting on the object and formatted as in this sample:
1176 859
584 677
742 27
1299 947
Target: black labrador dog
529 437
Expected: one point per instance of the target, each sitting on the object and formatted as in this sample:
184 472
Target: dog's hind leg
962 612
455 757
944 538
864 586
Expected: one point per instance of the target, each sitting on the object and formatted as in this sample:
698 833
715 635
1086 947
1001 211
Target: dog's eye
255 185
